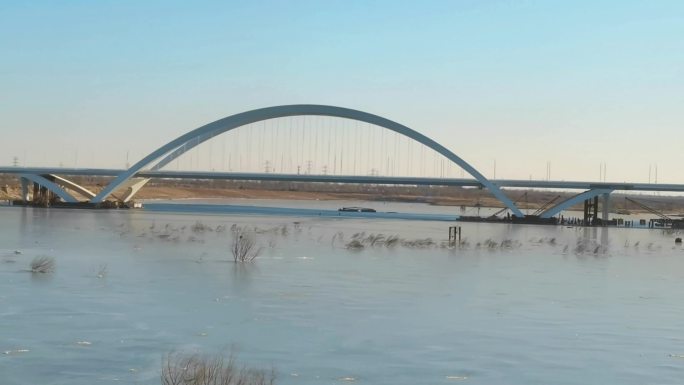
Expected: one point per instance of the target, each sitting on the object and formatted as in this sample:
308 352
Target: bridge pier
36 192
44 197
25 190
590 211
604 212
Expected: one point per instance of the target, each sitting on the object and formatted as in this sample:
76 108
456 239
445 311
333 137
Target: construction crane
546 205
649 209
524 195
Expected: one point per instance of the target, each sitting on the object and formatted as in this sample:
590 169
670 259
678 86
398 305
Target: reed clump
360 240
376 239
419 243
392 241
199 227
510 244
585 246
355 245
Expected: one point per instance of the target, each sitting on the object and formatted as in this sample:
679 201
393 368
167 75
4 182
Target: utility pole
604 171
548 170
15 161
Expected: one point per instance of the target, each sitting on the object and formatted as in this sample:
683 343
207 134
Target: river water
511 305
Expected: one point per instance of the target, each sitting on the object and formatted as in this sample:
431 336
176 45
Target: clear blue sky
574 83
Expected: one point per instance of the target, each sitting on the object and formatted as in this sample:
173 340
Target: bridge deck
463 182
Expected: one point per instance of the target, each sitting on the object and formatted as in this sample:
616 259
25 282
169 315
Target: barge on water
527 219
355 209
79 205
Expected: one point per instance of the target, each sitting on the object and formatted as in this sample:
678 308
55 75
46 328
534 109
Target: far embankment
433 195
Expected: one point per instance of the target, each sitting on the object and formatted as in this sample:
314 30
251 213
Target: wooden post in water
454 235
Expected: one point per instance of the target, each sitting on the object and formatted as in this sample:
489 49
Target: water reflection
40 278
592 241
242 275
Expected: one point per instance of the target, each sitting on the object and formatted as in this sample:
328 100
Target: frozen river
512 305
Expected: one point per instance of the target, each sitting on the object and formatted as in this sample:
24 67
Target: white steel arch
183 143
55 188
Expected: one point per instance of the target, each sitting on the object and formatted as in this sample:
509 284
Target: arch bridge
48 186
165 154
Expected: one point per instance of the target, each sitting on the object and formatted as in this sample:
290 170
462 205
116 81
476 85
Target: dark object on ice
357 209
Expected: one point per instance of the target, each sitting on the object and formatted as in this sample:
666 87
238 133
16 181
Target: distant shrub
244 248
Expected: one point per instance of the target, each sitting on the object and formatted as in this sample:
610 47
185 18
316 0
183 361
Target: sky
509 86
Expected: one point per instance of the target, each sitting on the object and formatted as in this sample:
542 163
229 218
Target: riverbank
433 195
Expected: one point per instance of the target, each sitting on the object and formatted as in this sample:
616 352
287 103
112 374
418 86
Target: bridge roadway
384 180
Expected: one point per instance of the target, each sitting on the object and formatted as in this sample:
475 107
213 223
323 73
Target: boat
355 209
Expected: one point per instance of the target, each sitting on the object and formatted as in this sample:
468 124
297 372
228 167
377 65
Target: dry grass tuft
43 265
198 369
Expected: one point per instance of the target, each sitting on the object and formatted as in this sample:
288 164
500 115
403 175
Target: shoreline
431 195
